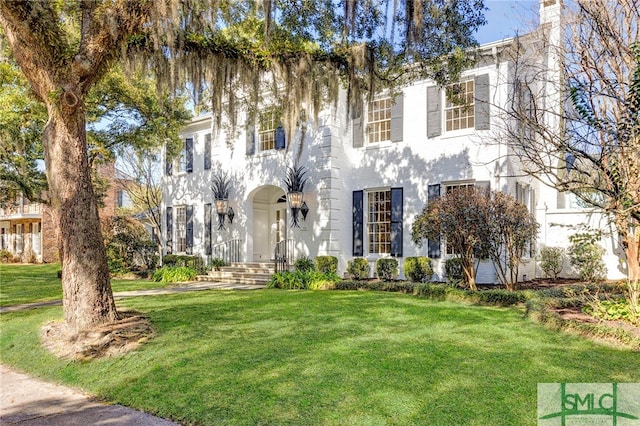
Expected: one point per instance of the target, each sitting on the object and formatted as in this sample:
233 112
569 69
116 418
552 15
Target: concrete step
245 270
238 274
246 281
254 273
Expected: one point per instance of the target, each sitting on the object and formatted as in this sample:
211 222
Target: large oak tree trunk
87 296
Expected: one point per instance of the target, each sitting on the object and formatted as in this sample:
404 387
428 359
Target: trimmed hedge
194 262
436 291
358 268
173 274
387 269
453 270
418 269
303 280
327 264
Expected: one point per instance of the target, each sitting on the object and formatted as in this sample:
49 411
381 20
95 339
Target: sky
506 17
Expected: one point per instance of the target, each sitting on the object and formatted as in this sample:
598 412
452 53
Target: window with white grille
379 221
379 120
181 229
460 106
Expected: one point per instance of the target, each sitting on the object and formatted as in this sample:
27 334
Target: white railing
32 208
229 251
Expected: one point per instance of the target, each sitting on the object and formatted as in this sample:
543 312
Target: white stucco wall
336 169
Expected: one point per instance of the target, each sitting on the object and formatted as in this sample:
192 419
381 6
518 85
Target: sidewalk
179 288
25 400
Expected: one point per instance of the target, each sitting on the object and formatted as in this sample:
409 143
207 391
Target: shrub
453 270
387 269
551 261
128 246
6 256
302 280
586 256
217 263
173 274
418 269
304 264
327 264
359 268
194 262
612 310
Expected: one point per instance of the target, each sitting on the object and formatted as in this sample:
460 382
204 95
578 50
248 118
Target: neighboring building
27 229
369 177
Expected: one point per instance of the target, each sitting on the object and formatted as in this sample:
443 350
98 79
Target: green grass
326 358
38 283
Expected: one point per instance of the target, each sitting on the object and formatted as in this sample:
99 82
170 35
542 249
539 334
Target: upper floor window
182 159
181 229
379 120
460 107
269 120
379 221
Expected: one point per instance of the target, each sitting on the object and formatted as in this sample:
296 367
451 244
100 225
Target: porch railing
13 210
284 255
229 250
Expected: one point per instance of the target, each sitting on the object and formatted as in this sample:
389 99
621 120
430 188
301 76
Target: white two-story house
368 176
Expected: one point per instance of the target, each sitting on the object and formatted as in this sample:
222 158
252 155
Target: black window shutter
433 246
207 229
168 164
434 112
358 228
280 138
169 245
207 151
189 230
396 222
188 146
396 119
482 108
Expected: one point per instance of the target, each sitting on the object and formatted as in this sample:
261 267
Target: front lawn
38 283
326 358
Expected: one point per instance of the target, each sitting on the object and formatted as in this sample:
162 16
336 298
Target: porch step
255 273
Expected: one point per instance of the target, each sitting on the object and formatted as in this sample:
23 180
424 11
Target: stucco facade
368 177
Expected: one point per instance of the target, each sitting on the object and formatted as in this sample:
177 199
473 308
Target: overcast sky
506 17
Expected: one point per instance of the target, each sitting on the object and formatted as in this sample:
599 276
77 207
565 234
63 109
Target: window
457 186
269 120
19 240
123 199
460 106
379 120
379 221
181 229
184 162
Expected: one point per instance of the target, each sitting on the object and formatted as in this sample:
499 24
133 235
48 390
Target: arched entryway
269 221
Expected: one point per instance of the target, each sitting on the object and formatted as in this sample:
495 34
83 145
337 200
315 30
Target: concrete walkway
25 400
179 288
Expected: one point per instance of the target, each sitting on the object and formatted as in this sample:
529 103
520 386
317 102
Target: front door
261 235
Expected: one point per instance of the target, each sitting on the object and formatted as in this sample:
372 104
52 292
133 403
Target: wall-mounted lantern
220 186
304 210
294 181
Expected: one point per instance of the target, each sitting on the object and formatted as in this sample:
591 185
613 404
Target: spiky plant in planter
294 181
220 186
